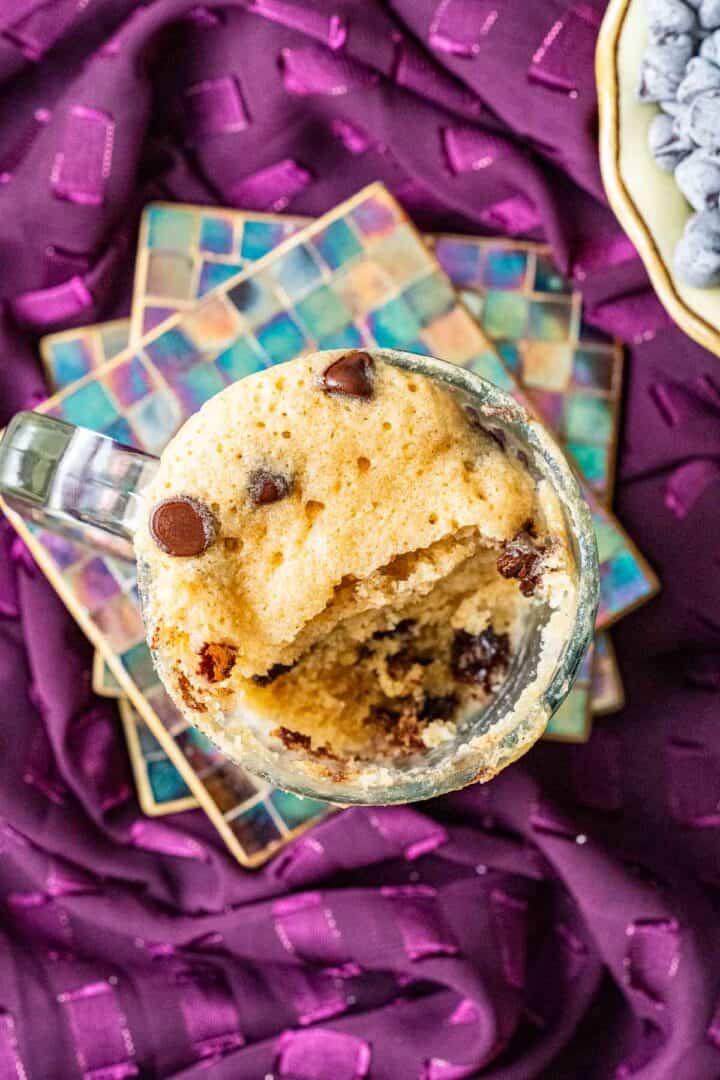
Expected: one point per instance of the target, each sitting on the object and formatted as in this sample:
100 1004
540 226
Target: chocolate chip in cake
266 487
271 675
478 659
439 708
187 693
351 375
296 740
400 723
405 626
216 661
182 526
521 558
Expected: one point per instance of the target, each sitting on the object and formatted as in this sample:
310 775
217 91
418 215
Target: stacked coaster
220 294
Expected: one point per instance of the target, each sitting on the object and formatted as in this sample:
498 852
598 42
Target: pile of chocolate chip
681 73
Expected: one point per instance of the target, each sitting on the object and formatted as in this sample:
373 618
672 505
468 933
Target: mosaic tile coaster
608 693
262 817
359 275
570 371
104 682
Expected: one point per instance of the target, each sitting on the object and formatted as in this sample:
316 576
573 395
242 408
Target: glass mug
90 488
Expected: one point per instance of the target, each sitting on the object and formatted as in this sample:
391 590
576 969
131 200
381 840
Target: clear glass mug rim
116 511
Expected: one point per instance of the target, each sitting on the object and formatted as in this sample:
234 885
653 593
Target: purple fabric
561 922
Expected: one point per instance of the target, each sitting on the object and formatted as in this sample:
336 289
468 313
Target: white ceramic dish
646 200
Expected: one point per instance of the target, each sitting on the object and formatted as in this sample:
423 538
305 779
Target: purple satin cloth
560 922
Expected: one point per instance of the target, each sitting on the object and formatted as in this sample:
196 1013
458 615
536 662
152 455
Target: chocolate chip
351 375
182 525
216 661
405 626
296 740
400 723
265 487
270 676
293 740
478 658
439 708
187 693
521 558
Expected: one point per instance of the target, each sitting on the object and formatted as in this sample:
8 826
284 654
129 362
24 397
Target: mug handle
73 481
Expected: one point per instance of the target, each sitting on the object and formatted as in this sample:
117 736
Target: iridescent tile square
323 312
121 432
166 783
169 275
197 750
198 385
505 315
163 707
213 274
241 359
550 320
609 540
296 271
216 235
337 244
546 365
374 217
155 420
280 339
402 254
462 262
255 829
93 584
547 278
349 337
623 580
588 419
229 786
430 297
153 316
594 369
120 623
148 743
504 269
510 354
255 299
454 337
64 553
123 570
488 365
295 811
260 237
114 337
593 462
571 722
139 666
551 406
172 352
70 360
212 325
89 406
129 381
170 228
394 325
363 286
